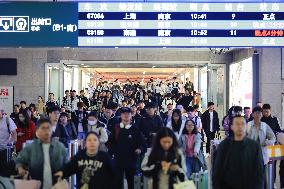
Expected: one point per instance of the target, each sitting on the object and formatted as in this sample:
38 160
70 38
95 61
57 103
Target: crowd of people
155 129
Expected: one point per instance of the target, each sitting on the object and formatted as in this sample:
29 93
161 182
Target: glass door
217 87
202 86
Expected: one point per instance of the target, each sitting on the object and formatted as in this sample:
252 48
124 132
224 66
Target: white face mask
92 122
22 119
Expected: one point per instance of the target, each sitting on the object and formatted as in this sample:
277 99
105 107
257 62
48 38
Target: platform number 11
233 32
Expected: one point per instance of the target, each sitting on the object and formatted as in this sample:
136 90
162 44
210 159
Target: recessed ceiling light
82 64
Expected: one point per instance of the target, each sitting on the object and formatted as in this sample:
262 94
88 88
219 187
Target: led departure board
142 24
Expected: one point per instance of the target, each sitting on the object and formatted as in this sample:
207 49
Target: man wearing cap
126 143
150 124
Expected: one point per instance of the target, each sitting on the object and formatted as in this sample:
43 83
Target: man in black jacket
108 117
239 161
79 118
270 120
126 143
84 99
135 116
210 123
167 116
186 99
150 124
273 122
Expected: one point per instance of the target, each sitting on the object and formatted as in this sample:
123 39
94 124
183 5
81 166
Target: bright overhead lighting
144 72
127 76
82 64
153 66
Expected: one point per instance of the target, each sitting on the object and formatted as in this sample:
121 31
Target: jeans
81 135
192 166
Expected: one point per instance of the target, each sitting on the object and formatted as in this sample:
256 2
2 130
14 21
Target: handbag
27 184
187 184
61 184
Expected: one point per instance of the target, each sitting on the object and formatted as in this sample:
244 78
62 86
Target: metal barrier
27 142
73 148
275 153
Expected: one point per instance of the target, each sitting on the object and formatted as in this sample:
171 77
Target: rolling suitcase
200 179
203 180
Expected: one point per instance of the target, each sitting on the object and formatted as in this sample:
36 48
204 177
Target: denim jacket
32 158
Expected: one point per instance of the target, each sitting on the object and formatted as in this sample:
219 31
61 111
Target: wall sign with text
141 24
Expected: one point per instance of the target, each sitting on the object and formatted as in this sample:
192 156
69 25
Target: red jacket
29 134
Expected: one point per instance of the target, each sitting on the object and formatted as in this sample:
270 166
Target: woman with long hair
165 162
191 145
25 129
177 123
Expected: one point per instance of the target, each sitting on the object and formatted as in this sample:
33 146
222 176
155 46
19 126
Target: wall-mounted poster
6 99
241 78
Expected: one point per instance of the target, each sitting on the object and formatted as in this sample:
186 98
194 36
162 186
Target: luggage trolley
73 148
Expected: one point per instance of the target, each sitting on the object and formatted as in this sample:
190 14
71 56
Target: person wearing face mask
98 127
25 129
92 167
